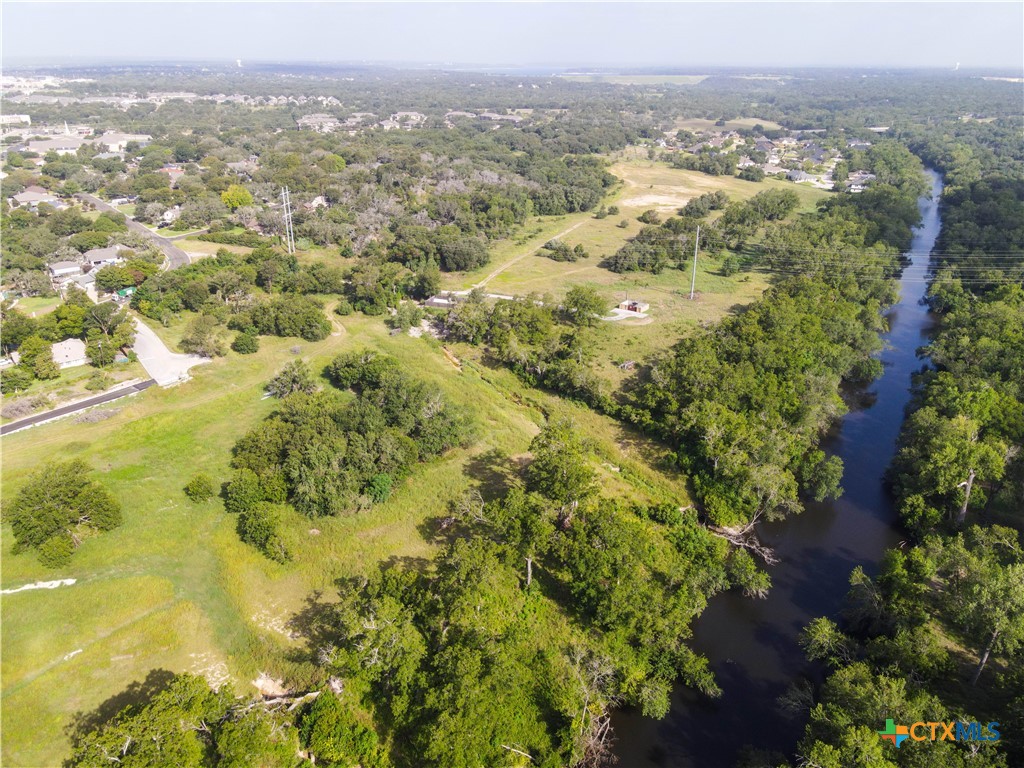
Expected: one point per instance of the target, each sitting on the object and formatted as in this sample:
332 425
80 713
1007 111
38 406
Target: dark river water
752 644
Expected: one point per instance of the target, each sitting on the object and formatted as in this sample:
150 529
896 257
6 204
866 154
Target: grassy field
174 589
517 269
637 79
699 124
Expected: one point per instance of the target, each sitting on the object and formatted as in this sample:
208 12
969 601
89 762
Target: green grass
34 306
72 381
173 588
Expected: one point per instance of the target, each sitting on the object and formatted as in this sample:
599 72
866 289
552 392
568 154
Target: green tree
236 196
583 305
559 470
60 501
294 377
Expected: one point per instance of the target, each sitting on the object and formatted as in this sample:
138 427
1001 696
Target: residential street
175 256
56 413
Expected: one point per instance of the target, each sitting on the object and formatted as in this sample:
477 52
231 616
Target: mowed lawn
174 589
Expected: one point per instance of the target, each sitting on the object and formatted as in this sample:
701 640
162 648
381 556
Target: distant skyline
670 35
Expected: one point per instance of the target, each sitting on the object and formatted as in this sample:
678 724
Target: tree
257 739
258 526
202 337
172 730
334 736
60 501
236 196
243 492
294 377
584 305
559 470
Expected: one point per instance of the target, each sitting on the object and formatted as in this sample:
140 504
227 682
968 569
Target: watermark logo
897 734
949 731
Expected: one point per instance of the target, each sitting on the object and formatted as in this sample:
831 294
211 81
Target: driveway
164 366
175 256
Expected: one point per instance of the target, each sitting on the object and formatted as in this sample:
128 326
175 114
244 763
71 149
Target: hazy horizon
855 35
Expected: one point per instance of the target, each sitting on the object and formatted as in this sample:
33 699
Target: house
98 258
84 281
799 176
15 120
33 196
171 215
124 200
442 301
632 305
858 144
764 145
69 353
61 270
62 145
319 122
118 142
173 172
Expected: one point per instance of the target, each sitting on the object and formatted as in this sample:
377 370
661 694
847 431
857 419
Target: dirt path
522 256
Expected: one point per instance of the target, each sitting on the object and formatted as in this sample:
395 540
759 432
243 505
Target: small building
15 120
124 294
441 301
61 270
799 176
632 305
70 353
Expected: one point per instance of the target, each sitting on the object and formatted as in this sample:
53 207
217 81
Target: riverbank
752 644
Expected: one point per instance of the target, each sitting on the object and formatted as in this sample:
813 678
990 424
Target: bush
622 224
344 308
649 217
98 381
379 488
258 527
247 239
613 210
199 488
246 343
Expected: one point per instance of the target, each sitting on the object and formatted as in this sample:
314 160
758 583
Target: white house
69 353
63 269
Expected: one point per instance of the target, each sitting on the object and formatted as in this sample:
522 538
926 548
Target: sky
584 35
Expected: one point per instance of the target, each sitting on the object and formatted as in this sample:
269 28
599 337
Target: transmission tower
289 233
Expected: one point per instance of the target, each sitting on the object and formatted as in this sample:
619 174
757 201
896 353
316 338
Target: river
752 644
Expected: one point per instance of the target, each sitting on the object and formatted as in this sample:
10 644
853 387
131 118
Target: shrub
199 488
246 343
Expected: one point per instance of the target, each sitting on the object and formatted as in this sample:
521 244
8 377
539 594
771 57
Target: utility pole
693 278
289 233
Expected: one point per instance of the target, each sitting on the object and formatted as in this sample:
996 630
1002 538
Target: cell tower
289 233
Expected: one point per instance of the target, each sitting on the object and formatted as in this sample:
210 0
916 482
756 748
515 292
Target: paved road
164 366
175 256
56 413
